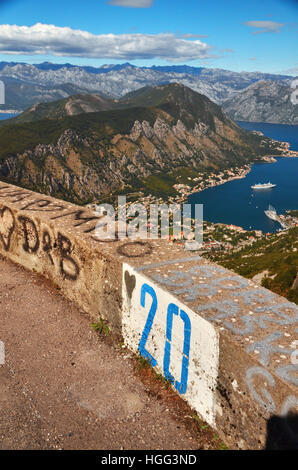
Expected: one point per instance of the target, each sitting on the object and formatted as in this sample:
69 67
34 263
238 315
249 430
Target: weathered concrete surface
225 343
240 371
63 386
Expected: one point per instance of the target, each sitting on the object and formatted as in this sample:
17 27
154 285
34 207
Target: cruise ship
271 213
263 186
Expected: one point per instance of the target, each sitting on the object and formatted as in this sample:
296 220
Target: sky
255 35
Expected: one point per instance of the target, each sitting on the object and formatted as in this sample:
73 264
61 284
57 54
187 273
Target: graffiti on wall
76 217
35 241
7 225
180 344
247 311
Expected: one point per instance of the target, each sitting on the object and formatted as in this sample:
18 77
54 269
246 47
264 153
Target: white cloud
191 36
265 26
53 40
132 3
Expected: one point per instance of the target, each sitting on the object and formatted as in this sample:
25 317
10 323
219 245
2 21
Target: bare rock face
200 129
147 129
264 101
179 129
136 131
161 129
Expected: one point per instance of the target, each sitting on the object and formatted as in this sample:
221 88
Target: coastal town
218 237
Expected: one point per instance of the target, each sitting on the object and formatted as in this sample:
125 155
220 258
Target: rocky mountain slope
70 106
21 94
84 157
264 101
28 84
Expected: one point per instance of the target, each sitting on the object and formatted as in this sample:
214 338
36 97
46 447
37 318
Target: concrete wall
226 344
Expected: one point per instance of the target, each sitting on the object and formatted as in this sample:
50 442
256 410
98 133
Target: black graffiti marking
6 226
122 250
130 282
78 216
31 243
107 240
42 204
47 245
7 190
64 245
68 266
83 220
16 195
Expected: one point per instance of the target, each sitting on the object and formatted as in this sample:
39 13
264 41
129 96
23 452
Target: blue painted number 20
181 386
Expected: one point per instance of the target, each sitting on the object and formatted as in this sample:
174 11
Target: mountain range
28 84
263 101
154 131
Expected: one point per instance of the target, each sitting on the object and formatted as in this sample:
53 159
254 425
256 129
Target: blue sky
256 35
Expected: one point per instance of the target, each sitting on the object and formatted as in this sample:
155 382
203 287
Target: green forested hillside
102 125
276 257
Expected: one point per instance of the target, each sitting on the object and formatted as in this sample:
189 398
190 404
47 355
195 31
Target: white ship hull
272 215
263 186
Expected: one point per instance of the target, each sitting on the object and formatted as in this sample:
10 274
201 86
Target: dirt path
65 387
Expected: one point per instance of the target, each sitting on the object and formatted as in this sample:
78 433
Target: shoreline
246 169
266 122
285 149
242 175
185 191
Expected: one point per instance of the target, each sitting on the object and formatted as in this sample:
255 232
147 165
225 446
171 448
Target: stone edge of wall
237 380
